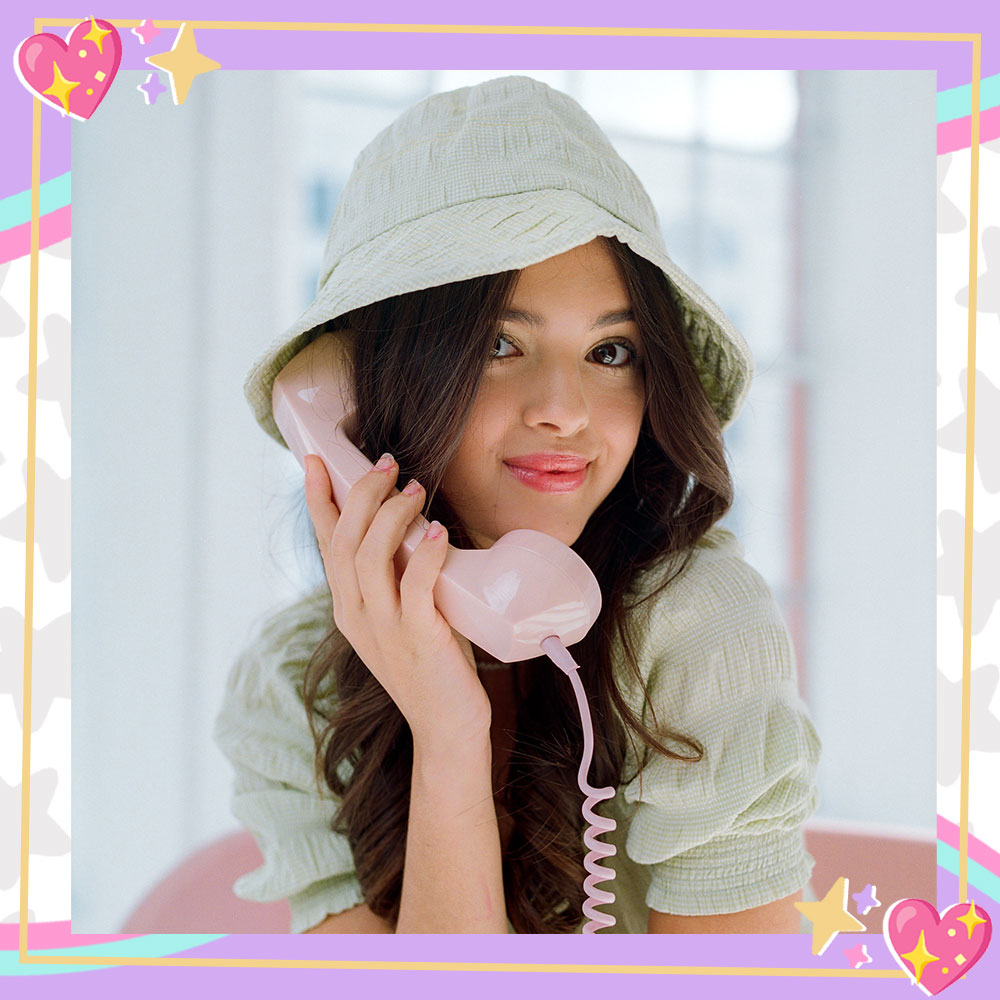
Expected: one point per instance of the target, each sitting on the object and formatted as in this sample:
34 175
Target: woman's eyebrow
612 318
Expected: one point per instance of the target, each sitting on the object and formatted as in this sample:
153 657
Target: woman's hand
427 669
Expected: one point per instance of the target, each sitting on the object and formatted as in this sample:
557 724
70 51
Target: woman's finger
376 554
319 500
325 515
362 504
416 586
356 515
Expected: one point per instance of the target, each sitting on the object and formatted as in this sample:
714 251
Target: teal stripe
149 946
9 966
16 210
978 876
957 102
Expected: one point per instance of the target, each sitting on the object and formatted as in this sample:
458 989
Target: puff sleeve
723 834
263 729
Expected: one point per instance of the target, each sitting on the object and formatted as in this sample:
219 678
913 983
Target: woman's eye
615 354
497 351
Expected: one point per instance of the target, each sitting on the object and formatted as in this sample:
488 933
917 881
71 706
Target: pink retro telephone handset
527 595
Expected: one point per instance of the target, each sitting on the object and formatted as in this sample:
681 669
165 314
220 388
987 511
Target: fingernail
435 530
411 488
385 463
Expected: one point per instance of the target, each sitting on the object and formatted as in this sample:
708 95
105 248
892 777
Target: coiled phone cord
559 655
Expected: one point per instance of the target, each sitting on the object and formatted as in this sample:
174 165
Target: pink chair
197 896
898 863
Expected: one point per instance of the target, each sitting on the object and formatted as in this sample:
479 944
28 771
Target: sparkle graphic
970 919
857 956
829 916
919 958
865 900
152 88
145 31
60 87
182 63
97 35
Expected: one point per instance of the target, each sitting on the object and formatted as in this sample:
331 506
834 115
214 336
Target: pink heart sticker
936 950
73 76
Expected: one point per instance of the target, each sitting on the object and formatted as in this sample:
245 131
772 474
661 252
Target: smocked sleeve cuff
305 862
729 874
322 899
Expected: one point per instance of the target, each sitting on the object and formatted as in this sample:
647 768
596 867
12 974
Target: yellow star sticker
829 916
182 63
61 87
919 957
96 35
970 919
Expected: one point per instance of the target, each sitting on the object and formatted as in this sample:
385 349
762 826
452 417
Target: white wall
178 216
868 311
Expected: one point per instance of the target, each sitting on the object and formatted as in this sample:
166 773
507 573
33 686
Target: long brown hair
418 363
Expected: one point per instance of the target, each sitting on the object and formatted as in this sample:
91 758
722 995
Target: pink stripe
53 935
957 134
52 228
981 853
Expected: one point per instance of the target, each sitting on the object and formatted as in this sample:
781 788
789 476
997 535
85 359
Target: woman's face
558 413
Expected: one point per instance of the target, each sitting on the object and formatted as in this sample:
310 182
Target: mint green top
717 836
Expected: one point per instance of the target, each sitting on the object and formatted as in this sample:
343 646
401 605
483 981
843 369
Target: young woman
525 355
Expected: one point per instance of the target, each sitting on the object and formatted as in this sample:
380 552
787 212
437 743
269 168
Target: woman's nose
556 400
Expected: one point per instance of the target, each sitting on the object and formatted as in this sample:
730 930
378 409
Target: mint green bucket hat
485 179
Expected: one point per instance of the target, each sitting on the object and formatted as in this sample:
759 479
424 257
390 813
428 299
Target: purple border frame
234 49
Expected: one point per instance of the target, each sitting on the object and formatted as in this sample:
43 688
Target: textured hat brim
487 236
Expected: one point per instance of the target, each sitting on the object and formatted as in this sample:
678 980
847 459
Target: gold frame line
29 535
41 958
404 966
970 444
530 29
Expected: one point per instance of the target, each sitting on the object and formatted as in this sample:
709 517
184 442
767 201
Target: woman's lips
549 482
